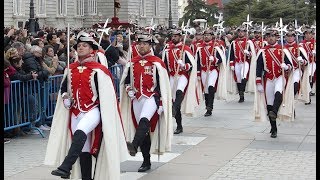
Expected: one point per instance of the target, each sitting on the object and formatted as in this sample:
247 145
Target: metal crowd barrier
23 108
21 111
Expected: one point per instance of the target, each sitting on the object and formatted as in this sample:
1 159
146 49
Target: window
41 7
156 4
18 7
92 7
62 7
79 7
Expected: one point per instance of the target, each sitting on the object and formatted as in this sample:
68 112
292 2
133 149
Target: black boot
145 149
295 88
241 93
141 132
206 99
269 108
78 140
311 86
276 105
177 103
242 87
179 123
210 101
308 103
86 165
273 128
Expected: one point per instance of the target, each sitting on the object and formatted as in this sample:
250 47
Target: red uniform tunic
134 49
203 57
272 55
293 49
195 45
237 54
144 77
84 95
174 53
257 44
309 46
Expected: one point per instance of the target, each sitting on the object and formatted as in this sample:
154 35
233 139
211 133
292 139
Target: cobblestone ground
269 164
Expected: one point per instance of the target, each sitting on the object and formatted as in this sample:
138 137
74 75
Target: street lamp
249 2
32 26
170 15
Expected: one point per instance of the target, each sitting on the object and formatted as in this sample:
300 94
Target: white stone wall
130 10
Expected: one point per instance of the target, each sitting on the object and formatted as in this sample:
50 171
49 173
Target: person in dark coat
111 53
33 63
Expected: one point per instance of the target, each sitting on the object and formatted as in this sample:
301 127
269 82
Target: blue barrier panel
50 91
23 108
116 72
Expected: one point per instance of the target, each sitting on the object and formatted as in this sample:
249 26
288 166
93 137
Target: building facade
85 13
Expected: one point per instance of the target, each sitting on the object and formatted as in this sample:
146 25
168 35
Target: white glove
284 66
232 68
246 52
260 88
301 61
160 110
131 94
211 58
181 63
314 52
67 103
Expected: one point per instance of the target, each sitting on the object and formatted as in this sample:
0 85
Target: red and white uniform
269 63
146 86
294 49
309 47
238 59
194 46
85 112
202 56
258 43
171 56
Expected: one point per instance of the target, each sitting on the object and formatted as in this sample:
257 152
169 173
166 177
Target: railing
32 101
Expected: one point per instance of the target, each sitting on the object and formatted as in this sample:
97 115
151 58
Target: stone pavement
227 145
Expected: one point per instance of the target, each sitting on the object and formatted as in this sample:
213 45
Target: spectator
51 60
55 42
111 53
27 97
37 42
20 74
6 84
11 53
8 38
33 62
20 48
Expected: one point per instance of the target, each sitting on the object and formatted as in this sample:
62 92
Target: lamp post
249 4
170 15
295 9
31 19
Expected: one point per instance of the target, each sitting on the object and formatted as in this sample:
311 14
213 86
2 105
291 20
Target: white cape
113 148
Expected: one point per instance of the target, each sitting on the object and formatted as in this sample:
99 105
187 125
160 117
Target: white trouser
144 107
86 122
312 68
272 86
297 74
213 76
240 73
181 84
